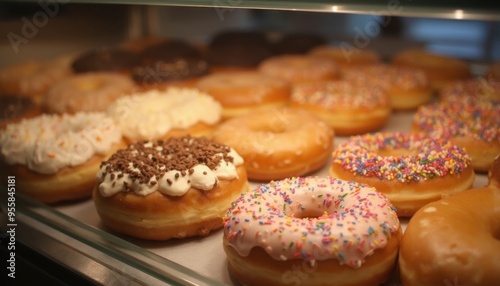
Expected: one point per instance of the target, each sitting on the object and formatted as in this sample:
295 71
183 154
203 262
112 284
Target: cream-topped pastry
174 188
56 157
331 225
153 114
48 143
170 167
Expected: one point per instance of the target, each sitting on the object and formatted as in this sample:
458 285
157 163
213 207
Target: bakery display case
66 243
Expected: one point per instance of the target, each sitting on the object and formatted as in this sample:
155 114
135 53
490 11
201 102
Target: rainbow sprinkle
427 158
324 218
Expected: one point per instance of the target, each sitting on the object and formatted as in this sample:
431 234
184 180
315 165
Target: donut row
142 151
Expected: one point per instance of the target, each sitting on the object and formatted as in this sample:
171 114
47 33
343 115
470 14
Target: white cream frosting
152 114
48 143
202 177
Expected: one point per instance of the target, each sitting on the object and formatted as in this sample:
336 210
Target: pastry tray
77 228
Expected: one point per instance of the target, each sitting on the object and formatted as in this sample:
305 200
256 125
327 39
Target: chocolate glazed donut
105 59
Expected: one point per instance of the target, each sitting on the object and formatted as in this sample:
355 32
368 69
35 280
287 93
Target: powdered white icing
203 178
48 143
312 219
152 114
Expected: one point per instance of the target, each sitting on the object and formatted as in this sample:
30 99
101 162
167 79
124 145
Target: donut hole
398 152
308 213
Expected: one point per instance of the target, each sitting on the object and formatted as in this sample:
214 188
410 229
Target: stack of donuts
281 144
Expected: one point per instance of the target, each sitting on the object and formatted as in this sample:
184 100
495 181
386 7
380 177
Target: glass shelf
444 9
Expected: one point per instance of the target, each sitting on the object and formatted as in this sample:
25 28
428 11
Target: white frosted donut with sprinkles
344 233
350 108
411 169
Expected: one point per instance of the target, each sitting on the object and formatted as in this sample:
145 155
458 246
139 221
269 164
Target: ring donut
456 239
299 68
241 92
343 232
411 169
349 108
86 92
441 70
408 88
278 143
472 124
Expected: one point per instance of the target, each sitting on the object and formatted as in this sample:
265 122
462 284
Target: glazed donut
346 57
441 70
278 143
87 92
299 68
477 89
474 126
55 157
455 239
177 72
337 232
348 107
158 114
32 78
493 72
241 92
411 169
105 60
15 108
176 188
408 88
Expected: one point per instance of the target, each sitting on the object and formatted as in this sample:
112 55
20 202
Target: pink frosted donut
346 233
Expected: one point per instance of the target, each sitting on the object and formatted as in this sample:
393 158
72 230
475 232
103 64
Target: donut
32 78
15 108
87 92
237 50
241 92
441 70
55 157
346 57
493 72
408 88
297 43
455 240
159 114
299 68
350 108
278 143
473 125
411 169
311 231
471 90
167 51
163 74
176 188
105 60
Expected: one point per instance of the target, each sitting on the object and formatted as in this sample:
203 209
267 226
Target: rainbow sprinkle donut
471 124
331 226
411 169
